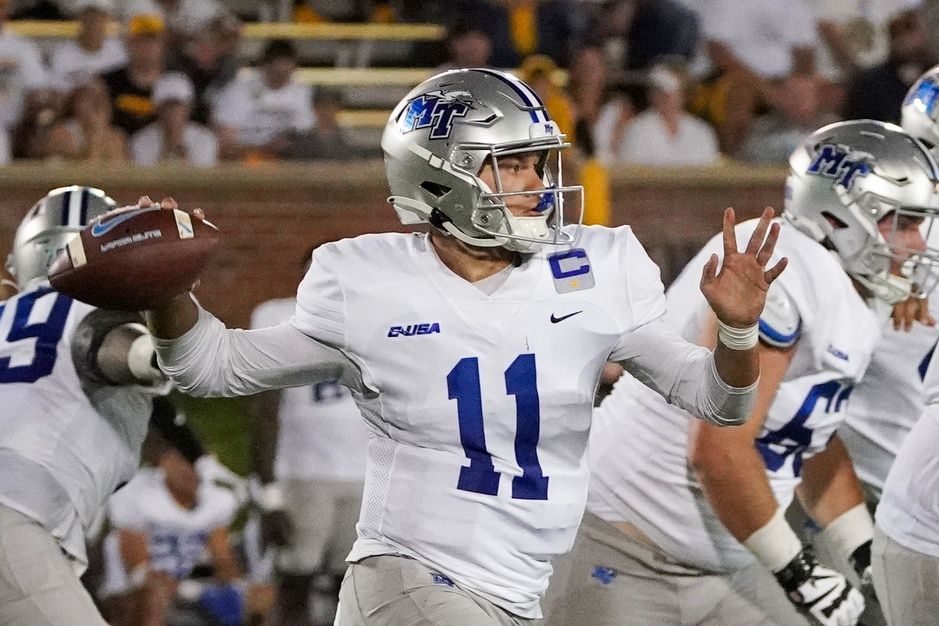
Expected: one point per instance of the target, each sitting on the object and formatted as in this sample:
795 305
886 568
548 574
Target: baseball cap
105 6
146 24
172 87
665 79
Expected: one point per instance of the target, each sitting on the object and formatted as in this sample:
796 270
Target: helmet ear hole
834 221
436 189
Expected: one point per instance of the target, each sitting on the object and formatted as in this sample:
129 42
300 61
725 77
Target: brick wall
271 215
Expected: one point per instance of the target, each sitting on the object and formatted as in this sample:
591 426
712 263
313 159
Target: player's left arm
223 557
832 496
115 348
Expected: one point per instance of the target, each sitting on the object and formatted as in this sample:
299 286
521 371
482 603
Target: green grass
222 424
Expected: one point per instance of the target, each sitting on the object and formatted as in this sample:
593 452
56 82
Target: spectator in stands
183 18
164 521
749 44
92 52
131 86
254 112
37 10
642 31
327 139
23 80
877 93
666 134
208 59
467 45
796 113
518 28
86 132
174 137
588 82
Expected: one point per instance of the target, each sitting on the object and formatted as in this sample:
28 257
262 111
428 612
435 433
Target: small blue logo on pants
606 575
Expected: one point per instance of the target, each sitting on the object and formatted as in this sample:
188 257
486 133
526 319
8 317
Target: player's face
903 234
517 172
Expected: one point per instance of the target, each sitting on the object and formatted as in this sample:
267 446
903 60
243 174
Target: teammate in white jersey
886 404
76 385
474 352
906 538
685 522
309 454
171 518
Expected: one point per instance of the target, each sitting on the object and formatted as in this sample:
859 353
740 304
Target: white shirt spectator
648 142
188 18
200 143
864 28
71 64
259 113
761 33
21 71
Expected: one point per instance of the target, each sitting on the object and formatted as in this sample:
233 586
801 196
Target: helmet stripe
83 210
66 204
517 87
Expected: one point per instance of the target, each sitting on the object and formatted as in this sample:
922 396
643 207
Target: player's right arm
733 477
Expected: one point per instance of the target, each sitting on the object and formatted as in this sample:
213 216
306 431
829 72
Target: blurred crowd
657 82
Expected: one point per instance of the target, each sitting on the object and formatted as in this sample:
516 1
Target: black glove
276 528
822 594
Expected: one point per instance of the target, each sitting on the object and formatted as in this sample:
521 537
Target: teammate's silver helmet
843 179
920 110
441 135
48 227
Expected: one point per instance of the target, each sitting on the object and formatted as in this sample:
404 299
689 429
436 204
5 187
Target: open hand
737 292
166 203
913 309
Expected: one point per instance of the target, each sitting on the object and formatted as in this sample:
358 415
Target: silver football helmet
920 110
445 130
48 227
844 179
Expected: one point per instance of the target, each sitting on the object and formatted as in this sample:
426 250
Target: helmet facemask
446 131
918 274
493 217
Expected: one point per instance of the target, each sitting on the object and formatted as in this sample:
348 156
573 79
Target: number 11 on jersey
480 476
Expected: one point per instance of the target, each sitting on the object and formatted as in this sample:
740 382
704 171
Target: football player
76 385
685 522
474 352
893 394
169 520
886 404
309 456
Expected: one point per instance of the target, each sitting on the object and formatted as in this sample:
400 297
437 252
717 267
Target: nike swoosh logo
101 228
555 319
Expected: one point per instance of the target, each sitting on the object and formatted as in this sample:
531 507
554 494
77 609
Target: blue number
521 382
46 333
924 364
463 386
794 437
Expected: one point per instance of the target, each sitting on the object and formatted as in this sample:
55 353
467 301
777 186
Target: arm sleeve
684 374
211 360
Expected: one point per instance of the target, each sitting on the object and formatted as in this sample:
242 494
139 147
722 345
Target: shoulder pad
780 323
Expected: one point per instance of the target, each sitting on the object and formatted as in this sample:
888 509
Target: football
133 259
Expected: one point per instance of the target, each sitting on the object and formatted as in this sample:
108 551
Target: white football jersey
640 471
479 405
65 444
322 435
909 506
177 536
886 404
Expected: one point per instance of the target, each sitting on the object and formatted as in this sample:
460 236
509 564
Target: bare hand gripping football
135 258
